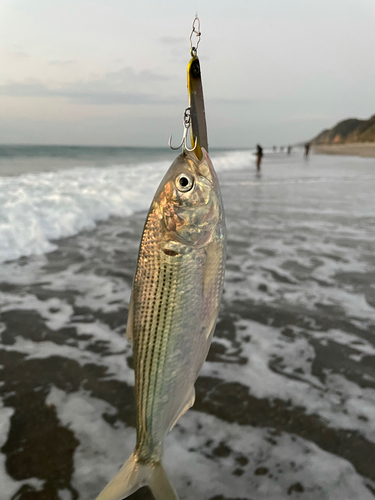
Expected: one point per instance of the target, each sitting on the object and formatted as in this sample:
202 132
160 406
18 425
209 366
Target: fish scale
166 292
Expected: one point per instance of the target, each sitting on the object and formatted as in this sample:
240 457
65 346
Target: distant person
274 148
289 149
307 149
259 154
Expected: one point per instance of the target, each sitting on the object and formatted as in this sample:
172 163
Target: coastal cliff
348 131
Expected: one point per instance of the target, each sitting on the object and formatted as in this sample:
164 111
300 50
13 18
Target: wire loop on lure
197 31
187 122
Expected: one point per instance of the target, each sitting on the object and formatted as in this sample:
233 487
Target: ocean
285 404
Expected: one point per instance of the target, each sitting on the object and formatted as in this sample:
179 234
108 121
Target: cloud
171 40
83 94
175 46
120 87
308 117
127 76
62 63
20 54
233 102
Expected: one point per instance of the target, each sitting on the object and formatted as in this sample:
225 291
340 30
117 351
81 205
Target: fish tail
160 486
133 475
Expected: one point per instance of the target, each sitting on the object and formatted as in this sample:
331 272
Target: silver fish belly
173 310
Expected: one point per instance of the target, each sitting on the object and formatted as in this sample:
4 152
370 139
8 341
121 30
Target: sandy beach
356 149
285 404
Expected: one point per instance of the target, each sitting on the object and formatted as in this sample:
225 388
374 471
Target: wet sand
355 149
285 405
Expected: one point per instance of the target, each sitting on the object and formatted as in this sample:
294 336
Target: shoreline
366 149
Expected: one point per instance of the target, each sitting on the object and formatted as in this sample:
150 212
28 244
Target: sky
113 72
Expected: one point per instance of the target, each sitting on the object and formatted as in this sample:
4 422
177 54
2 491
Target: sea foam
37 208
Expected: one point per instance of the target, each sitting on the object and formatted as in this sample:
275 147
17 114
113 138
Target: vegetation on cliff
348 131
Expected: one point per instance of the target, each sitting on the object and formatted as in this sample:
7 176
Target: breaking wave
37 208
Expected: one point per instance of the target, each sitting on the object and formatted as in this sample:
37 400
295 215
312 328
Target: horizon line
21 144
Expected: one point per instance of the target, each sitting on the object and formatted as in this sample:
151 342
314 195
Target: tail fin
133 476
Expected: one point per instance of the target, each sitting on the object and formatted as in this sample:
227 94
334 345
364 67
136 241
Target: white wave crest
39 207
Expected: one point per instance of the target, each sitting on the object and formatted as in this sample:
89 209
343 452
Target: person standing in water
307 148
259 154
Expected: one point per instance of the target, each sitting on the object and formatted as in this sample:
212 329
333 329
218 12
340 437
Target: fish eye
184 182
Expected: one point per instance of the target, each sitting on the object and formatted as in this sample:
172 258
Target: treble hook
187 121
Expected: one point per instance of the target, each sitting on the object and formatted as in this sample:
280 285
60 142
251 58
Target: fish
173 311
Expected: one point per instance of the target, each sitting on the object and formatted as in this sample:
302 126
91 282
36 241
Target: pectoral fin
129 326
188 403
